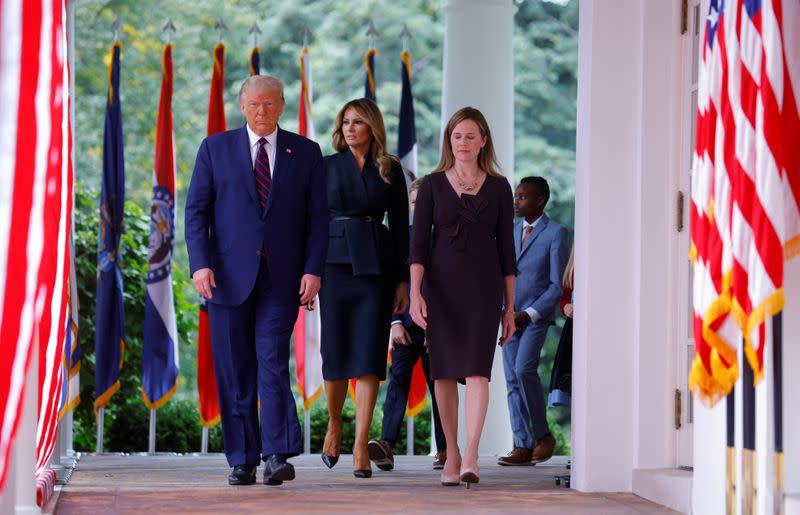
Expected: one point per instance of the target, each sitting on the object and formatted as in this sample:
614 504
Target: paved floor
198 484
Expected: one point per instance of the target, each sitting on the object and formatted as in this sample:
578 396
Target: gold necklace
463 185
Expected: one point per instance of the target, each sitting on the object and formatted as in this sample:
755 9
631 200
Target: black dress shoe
242 475
277 470
329 461
363 474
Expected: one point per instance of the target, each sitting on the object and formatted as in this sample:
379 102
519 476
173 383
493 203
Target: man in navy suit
257 235
542 253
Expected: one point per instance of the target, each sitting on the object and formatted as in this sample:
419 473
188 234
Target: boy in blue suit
542 253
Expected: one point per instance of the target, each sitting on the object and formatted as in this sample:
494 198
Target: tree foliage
545 82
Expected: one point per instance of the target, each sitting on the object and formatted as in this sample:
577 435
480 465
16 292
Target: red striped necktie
262 174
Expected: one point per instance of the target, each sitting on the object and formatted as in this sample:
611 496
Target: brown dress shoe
380 452
543 450
441 457
517 457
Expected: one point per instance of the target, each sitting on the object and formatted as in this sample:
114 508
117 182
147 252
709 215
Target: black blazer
358 202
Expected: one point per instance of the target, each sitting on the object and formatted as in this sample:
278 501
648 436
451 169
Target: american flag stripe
55 268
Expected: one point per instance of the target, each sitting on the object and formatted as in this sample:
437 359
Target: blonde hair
415 185
371 114
566 279
487 161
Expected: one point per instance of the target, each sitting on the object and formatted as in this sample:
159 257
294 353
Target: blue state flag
109 340
406 129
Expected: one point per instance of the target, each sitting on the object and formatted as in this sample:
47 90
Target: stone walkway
198 484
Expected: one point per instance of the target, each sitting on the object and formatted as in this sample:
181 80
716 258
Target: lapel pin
288 150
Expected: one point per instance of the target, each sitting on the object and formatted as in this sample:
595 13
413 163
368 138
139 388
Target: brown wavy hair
371 114
487 161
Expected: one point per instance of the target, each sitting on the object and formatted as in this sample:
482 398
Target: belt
367 219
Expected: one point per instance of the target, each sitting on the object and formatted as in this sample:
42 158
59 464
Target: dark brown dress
467 246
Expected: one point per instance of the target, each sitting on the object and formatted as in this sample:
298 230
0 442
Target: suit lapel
517 237
243 161
534 234
283 156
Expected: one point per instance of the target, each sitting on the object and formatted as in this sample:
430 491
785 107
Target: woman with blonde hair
463 266
366 272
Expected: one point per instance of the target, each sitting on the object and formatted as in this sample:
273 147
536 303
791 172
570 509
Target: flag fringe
164 398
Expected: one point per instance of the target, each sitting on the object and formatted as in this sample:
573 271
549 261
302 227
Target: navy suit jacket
225 228
541 263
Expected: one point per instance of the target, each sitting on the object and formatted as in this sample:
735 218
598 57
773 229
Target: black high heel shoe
363 473
329 461
470 477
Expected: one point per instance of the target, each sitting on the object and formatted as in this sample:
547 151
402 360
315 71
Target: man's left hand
521 319
309 287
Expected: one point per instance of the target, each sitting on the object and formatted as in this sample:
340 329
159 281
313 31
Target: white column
479 72
25 443
607 248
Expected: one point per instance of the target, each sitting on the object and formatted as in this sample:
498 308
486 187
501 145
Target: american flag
307 328
745 183
35 202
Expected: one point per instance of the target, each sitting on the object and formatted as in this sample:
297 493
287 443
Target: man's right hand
203 280
398 336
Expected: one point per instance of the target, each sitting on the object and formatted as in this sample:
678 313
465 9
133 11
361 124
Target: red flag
417 393
206 381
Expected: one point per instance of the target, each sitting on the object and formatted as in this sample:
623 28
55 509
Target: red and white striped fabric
34 199
745 217
308 327
45 486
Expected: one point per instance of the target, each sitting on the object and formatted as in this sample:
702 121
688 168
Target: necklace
463 185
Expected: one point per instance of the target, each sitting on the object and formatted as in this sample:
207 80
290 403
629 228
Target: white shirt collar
271 138
525 223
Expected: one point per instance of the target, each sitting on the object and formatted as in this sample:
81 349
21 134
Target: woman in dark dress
366 273
462 275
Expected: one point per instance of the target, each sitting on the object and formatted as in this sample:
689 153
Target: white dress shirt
530 311
272 140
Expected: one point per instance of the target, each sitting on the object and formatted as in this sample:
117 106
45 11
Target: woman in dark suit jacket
366 273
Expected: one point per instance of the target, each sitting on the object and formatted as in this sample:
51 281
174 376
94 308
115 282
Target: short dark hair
540 184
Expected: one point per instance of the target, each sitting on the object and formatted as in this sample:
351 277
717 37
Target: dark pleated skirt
356 315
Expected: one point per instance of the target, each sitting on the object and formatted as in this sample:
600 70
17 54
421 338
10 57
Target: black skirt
561 377
356 315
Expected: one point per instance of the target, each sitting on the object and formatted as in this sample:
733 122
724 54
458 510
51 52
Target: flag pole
204 441
151 435
409 436
100 419
777 385
306 431
748 438
730 453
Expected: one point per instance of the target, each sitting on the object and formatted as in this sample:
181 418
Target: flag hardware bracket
405 35
255 30
116 27
221 27
372 34
169 29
